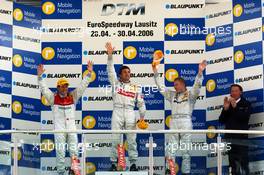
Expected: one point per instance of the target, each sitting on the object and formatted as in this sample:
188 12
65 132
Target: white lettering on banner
5 38
5 85
66 8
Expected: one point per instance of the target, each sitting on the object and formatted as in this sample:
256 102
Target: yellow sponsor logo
93 75
177 168
89 122
48 53
239 56
19 154
210 85
167 121
171 29
171 74
18 14
238 10
126 145
17 60
211 135
90 168
130 52
210 39
47 145
17 107
48 8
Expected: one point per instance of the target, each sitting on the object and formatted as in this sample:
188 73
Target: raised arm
110 65
78 92
195 91
46 92
162 89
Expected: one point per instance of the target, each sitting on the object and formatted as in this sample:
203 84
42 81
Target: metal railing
150 145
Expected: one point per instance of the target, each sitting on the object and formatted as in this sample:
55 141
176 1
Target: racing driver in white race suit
63 108
125 97
182 105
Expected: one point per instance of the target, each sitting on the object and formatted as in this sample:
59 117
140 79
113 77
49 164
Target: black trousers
238 159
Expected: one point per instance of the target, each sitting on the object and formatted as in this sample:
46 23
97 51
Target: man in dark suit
235 116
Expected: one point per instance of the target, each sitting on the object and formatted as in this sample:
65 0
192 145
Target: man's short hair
122 68
236 85
180 79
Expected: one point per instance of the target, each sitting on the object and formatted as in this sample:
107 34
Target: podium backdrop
64 35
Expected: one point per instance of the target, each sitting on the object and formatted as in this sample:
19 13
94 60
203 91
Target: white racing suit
63 110
125 97
182 105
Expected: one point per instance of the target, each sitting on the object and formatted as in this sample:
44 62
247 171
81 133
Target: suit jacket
236 118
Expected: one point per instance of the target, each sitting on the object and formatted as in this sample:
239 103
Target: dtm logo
211 135
48 53
123 9
90 168
210 85
17 60
210 39
17 107
130 52
239 56
238 10
89 122
18 14
48 8
171 74
171 29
